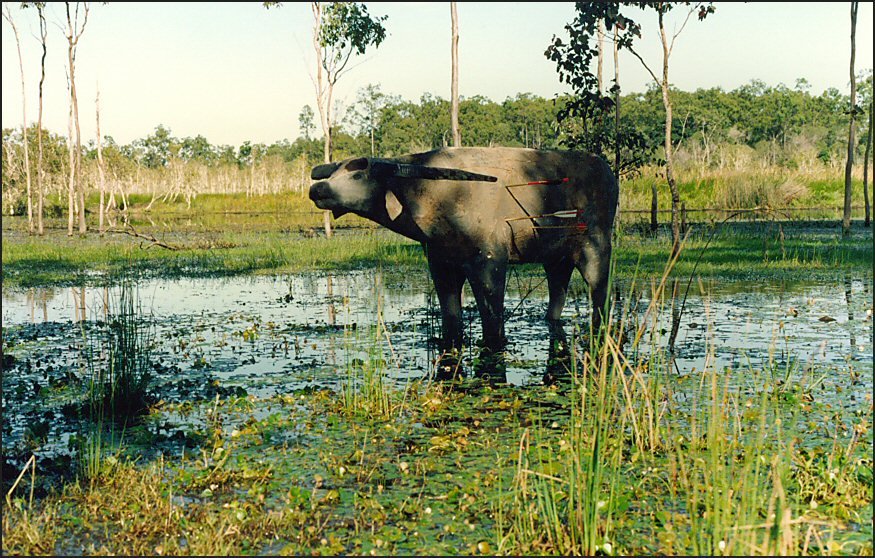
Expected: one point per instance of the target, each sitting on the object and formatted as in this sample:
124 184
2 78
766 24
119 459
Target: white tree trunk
454 93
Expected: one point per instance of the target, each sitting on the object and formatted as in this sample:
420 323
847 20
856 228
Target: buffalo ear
393 206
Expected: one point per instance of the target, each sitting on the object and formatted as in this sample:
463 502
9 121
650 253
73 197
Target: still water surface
307 326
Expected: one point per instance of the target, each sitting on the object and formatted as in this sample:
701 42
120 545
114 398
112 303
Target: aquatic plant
120 379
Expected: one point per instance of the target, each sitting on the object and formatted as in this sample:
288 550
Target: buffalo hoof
449 367
491 366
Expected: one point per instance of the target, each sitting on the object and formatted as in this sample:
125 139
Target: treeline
755 126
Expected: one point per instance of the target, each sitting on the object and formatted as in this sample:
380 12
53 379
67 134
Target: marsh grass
365 389
119 366
62 260
806 194
735 251
234 234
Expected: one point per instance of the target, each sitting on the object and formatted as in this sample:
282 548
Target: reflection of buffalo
464 206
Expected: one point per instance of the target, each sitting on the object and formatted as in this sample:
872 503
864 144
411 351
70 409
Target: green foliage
348 28
590 119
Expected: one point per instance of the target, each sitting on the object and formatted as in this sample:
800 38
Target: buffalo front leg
448 280
487 279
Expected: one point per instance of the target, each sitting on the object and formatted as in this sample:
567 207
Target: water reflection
78 294
38 299
296 329
852 330
559 366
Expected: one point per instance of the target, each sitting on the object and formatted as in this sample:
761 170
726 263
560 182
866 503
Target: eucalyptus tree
868 220
100 173
703 9
484 124
157 149
340 31
365 115
532 120
865 92
197 149
584 118
305 121
40 170
573 60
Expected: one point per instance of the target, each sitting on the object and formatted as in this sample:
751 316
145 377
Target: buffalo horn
402 170
323 171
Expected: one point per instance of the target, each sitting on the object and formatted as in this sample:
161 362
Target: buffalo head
362 185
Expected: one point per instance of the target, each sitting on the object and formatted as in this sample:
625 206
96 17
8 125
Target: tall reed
118 365
718 465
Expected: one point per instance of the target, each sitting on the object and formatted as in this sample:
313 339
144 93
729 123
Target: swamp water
266 335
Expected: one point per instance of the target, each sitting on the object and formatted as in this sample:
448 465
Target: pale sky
234 71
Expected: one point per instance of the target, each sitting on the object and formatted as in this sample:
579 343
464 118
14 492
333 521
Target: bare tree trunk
849 167
79 185
616 108
74 32
100 166
669 170
40 173
617 121
868 221
72 181
251 190
454 110
7 14
601 43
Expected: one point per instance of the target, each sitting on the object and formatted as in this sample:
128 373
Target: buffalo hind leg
596 268
558 277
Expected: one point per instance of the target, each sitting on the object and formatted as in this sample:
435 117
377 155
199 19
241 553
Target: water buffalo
475 210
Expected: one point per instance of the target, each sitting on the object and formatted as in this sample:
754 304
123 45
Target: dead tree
74 33
7 15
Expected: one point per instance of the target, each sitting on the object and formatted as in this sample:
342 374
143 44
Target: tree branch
686 20
643 63
130 231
